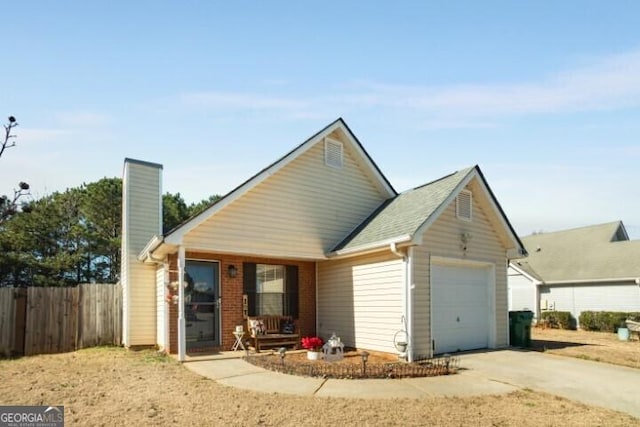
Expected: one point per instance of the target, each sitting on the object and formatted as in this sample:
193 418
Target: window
464 206
332 153
271 289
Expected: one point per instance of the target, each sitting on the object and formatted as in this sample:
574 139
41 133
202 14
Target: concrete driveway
492 372
592 383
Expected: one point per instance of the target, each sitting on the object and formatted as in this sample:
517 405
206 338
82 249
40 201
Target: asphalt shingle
403 214
587 253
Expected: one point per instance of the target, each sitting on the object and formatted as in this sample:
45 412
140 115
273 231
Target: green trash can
520 328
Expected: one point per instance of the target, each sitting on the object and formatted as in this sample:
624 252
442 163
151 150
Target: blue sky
544 96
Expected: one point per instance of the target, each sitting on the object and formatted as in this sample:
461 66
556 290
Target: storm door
202 305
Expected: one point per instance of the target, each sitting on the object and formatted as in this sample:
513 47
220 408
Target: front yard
113 386
597 346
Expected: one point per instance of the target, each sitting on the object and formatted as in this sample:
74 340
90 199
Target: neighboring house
321 235
590 268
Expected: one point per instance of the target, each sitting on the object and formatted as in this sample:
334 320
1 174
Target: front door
201 305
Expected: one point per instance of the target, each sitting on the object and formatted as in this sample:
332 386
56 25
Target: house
594 268
320 235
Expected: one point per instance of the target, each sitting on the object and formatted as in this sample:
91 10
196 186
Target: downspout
181 321
410 288
394 248
407 291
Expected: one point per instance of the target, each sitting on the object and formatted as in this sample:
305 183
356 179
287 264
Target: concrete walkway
492 372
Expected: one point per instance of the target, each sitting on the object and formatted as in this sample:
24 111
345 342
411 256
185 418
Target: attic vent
332 153
464 205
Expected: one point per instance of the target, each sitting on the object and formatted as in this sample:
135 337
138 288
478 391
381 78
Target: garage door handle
458 319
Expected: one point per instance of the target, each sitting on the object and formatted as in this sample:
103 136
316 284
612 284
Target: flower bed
352 367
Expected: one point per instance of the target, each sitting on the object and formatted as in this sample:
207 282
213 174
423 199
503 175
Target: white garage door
460 308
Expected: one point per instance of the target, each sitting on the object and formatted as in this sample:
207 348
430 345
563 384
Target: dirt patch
597 346
351 357
116 387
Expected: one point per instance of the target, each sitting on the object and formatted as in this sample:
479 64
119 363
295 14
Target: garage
461 298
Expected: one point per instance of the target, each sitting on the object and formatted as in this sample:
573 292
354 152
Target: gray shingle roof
586 253
403 214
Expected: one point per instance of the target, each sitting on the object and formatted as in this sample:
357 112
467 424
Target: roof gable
338 127
407 216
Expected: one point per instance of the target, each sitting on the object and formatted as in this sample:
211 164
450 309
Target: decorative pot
314 355
623 334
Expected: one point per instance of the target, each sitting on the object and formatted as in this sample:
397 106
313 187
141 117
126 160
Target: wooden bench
273 336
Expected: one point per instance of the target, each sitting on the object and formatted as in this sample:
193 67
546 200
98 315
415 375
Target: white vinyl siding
141 221
300 212
443 239
597 297
522 292
360 299
161 307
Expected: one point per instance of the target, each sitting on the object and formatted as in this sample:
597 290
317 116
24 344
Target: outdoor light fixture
464 239
365 357
447 361
282 352
232 271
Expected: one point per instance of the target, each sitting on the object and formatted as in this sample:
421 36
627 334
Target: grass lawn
113 386
597 346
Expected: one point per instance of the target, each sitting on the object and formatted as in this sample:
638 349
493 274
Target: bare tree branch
8 143
9 206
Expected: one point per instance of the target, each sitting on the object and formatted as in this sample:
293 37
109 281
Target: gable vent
333 153
464 206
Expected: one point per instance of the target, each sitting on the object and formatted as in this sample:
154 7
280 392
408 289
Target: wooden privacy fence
7 320
57 320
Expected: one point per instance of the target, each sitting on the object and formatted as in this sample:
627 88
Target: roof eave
155 245
636 280
371 247
151 246
518 245
520 270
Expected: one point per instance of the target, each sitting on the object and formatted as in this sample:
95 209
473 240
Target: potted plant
313 346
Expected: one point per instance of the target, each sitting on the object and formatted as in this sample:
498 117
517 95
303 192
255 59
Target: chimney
141 221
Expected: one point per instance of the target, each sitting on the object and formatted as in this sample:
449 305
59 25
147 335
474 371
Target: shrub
558 319
605 321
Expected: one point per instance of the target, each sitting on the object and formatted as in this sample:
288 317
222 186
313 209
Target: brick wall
231 294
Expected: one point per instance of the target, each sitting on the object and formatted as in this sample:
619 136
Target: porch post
181 322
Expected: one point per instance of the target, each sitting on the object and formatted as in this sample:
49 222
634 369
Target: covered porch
204 296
